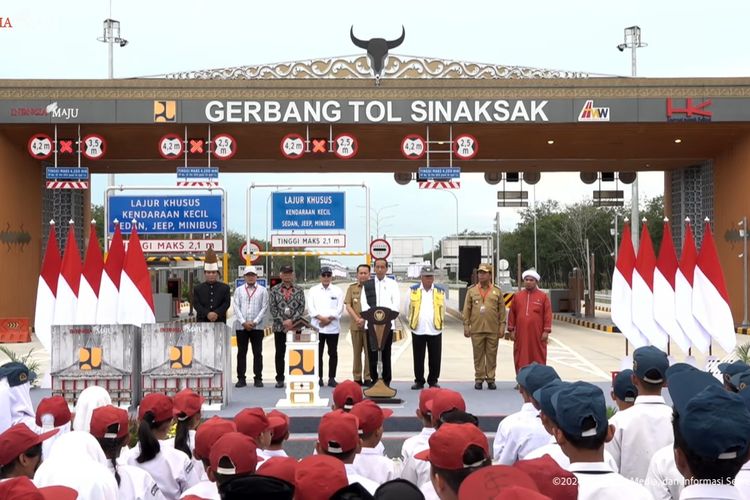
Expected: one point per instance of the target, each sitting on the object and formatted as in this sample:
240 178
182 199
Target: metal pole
745 323
616 248
536 265
497 237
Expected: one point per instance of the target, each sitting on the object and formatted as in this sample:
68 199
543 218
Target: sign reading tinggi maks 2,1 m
308 211
167 214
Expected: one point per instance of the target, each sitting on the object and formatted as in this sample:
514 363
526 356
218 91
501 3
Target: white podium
301 369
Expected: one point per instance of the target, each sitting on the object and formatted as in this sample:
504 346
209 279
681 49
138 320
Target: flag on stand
710 297
665 306
136 304
47 290
683 292
88 291
68 283
622 293
109 288
643 293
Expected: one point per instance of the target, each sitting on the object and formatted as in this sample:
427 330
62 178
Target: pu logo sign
5 22
90 358
181 356
165 111
302 362
591 113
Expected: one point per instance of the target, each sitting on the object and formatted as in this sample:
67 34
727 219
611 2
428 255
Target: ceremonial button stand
301 368
175 356
103 355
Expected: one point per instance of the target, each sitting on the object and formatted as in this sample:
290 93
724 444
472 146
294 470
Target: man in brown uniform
353 304
484 323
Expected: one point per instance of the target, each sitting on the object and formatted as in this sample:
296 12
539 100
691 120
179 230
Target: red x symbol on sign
319 145
196 146
65 146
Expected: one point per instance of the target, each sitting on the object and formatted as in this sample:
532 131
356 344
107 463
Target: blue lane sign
197 173
432 173
167 214
67 173
308 211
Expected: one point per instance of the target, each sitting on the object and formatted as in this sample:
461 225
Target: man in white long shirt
250 306
711 435
581 431
381 291
326 305
522 432
413 470
426 318
645 427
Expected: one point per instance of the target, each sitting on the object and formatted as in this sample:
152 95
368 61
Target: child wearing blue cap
645 427
522 432
711 435
582 429
624 390
15 397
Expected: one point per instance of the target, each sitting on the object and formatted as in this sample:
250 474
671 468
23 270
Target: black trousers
433 344
279 341
255 338
332 339
386 362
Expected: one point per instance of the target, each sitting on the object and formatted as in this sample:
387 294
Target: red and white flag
710 297
683 293
109 288
68 282
88 291
47 290
136 304
665 307
643 293
622 293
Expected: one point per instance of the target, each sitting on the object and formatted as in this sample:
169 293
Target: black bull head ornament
377 49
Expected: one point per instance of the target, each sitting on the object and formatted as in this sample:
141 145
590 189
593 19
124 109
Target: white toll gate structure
409 251
450 250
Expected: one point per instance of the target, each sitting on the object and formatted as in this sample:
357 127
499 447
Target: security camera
622 47
123 42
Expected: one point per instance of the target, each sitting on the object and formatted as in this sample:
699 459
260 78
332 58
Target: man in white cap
530 322
250 307
211 299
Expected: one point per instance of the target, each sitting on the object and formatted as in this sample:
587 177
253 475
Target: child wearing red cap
109 425
369 462
279 422
172 470
21 451
206 436
53 413
187 413
413 470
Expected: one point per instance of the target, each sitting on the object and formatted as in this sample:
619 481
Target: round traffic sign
503 265
465 146
94 147
252 251
413 147
40 146
380 249
345 146
293 146
171 146
224 146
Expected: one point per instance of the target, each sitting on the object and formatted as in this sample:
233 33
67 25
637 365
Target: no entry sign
380 249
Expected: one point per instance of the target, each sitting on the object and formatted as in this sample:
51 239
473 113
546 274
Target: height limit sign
380 249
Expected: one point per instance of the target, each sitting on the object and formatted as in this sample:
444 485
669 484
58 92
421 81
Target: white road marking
561 353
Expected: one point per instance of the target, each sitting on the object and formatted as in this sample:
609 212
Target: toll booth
575 291
175 356
103 355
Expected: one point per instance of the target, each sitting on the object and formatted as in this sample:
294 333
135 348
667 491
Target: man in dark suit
211 299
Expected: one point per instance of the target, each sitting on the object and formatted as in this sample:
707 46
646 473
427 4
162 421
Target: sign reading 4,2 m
167 214
308 211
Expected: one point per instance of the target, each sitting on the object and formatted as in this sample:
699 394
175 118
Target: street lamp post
111 36
632 41
743 234
456 199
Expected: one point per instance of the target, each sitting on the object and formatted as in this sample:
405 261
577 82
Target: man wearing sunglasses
326 305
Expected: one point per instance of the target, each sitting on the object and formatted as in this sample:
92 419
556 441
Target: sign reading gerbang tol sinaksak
179 214
308 211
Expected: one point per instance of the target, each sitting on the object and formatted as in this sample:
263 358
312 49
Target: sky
53 39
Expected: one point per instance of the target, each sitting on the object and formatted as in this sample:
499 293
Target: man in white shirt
381 291
582 429
413 470
645 427
426 318
370 462
523 432
326 305
711 435
338 437
250 305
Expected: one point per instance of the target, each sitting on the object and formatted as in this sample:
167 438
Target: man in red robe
530 322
